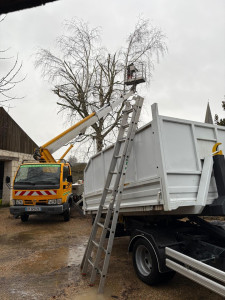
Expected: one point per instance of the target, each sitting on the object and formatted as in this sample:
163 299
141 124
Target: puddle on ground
93 294
21 238
18 238
52 260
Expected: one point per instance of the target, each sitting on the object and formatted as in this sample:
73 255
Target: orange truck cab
42 188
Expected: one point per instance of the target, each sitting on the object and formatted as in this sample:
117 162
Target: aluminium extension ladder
120 158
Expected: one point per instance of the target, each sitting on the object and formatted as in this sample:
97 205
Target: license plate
30 208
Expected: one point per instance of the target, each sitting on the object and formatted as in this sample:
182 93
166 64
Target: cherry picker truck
45 186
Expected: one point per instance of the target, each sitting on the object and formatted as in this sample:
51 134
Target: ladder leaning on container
120 158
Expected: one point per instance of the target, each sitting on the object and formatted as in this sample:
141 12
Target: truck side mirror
7 180
70 178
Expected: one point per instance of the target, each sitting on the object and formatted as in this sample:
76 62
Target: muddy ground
41 259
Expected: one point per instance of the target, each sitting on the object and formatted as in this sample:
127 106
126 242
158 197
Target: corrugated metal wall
12 137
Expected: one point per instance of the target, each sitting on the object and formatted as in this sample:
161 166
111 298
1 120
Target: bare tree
9 79
220 121
86 76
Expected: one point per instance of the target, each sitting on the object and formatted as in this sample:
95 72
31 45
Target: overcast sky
187 77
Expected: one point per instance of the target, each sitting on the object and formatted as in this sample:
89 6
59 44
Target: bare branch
10 80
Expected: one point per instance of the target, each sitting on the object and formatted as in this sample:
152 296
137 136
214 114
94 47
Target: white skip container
169 170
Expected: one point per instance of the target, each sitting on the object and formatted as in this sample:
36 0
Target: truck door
67 186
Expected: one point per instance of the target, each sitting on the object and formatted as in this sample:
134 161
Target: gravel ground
41 259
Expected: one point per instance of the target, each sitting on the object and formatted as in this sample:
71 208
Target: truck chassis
191 246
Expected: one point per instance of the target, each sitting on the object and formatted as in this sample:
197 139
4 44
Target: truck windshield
42 174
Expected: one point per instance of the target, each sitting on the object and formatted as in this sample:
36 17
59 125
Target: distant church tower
208 115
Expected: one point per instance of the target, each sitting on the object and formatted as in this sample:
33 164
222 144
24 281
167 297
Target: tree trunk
99 143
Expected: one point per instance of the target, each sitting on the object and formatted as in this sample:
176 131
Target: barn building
15 147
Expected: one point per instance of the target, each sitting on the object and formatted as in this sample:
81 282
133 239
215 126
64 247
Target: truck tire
146 264
24 218
66 215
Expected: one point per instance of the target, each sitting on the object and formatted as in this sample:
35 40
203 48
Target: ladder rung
104 206
100 224
104 250
118 156
108 189
128 110
90 262
98 271
78 202
95 243
113 173
122 140
126 125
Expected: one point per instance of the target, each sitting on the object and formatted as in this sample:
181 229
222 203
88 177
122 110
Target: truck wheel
66 215
146 264
24 218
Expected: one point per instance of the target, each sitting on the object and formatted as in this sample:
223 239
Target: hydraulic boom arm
44 153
